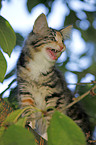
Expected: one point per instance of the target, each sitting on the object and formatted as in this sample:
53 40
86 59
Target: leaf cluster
7 43
13 131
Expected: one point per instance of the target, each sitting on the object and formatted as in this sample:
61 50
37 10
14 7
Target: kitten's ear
66 32
40 25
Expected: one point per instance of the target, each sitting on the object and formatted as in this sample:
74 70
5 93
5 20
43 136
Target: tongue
52 54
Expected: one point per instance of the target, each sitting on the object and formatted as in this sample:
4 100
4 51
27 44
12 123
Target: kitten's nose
61 46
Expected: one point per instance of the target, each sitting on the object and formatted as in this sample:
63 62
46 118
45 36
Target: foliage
7 36
19 39
63 130
7 43
3 66
31 4
59 123
5 109
89 104
17 135
13 130
0 4
12 125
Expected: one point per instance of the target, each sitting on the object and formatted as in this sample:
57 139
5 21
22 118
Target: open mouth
53 53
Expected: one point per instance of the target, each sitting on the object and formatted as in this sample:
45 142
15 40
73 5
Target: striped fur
40 84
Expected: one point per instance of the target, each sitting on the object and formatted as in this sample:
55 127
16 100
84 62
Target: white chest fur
39 65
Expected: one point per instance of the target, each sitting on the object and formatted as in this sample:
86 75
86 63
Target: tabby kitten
40 84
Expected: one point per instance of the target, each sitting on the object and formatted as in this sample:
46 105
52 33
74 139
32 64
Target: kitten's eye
52 38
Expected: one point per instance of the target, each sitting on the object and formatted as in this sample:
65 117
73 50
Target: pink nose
61 46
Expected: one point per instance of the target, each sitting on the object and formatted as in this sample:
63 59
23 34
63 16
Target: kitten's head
47 40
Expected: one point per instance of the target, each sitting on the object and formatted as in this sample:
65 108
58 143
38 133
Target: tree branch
91 91
92 82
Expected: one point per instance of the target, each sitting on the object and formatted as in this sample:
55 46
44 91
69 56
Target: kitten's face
53 49
49 42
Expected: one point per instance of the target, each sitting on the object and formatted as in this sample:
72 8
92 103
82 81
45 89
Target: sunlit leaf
64 131
38 138
7 36
2 131
3 67
17 135
21 122
12 117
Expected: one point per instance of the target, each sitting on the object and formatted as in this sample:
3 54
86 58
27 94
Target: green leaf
88 103
64 131
3 67
2 129
31 4
0 4
38 138
19 39
17 135
7 36
12 117
21 122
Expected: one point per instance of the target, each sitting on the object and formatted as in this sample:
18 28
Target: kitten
40 84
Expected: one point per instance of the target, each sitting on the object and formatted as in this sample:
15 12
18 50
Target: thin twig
8 87
78 98
92 82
